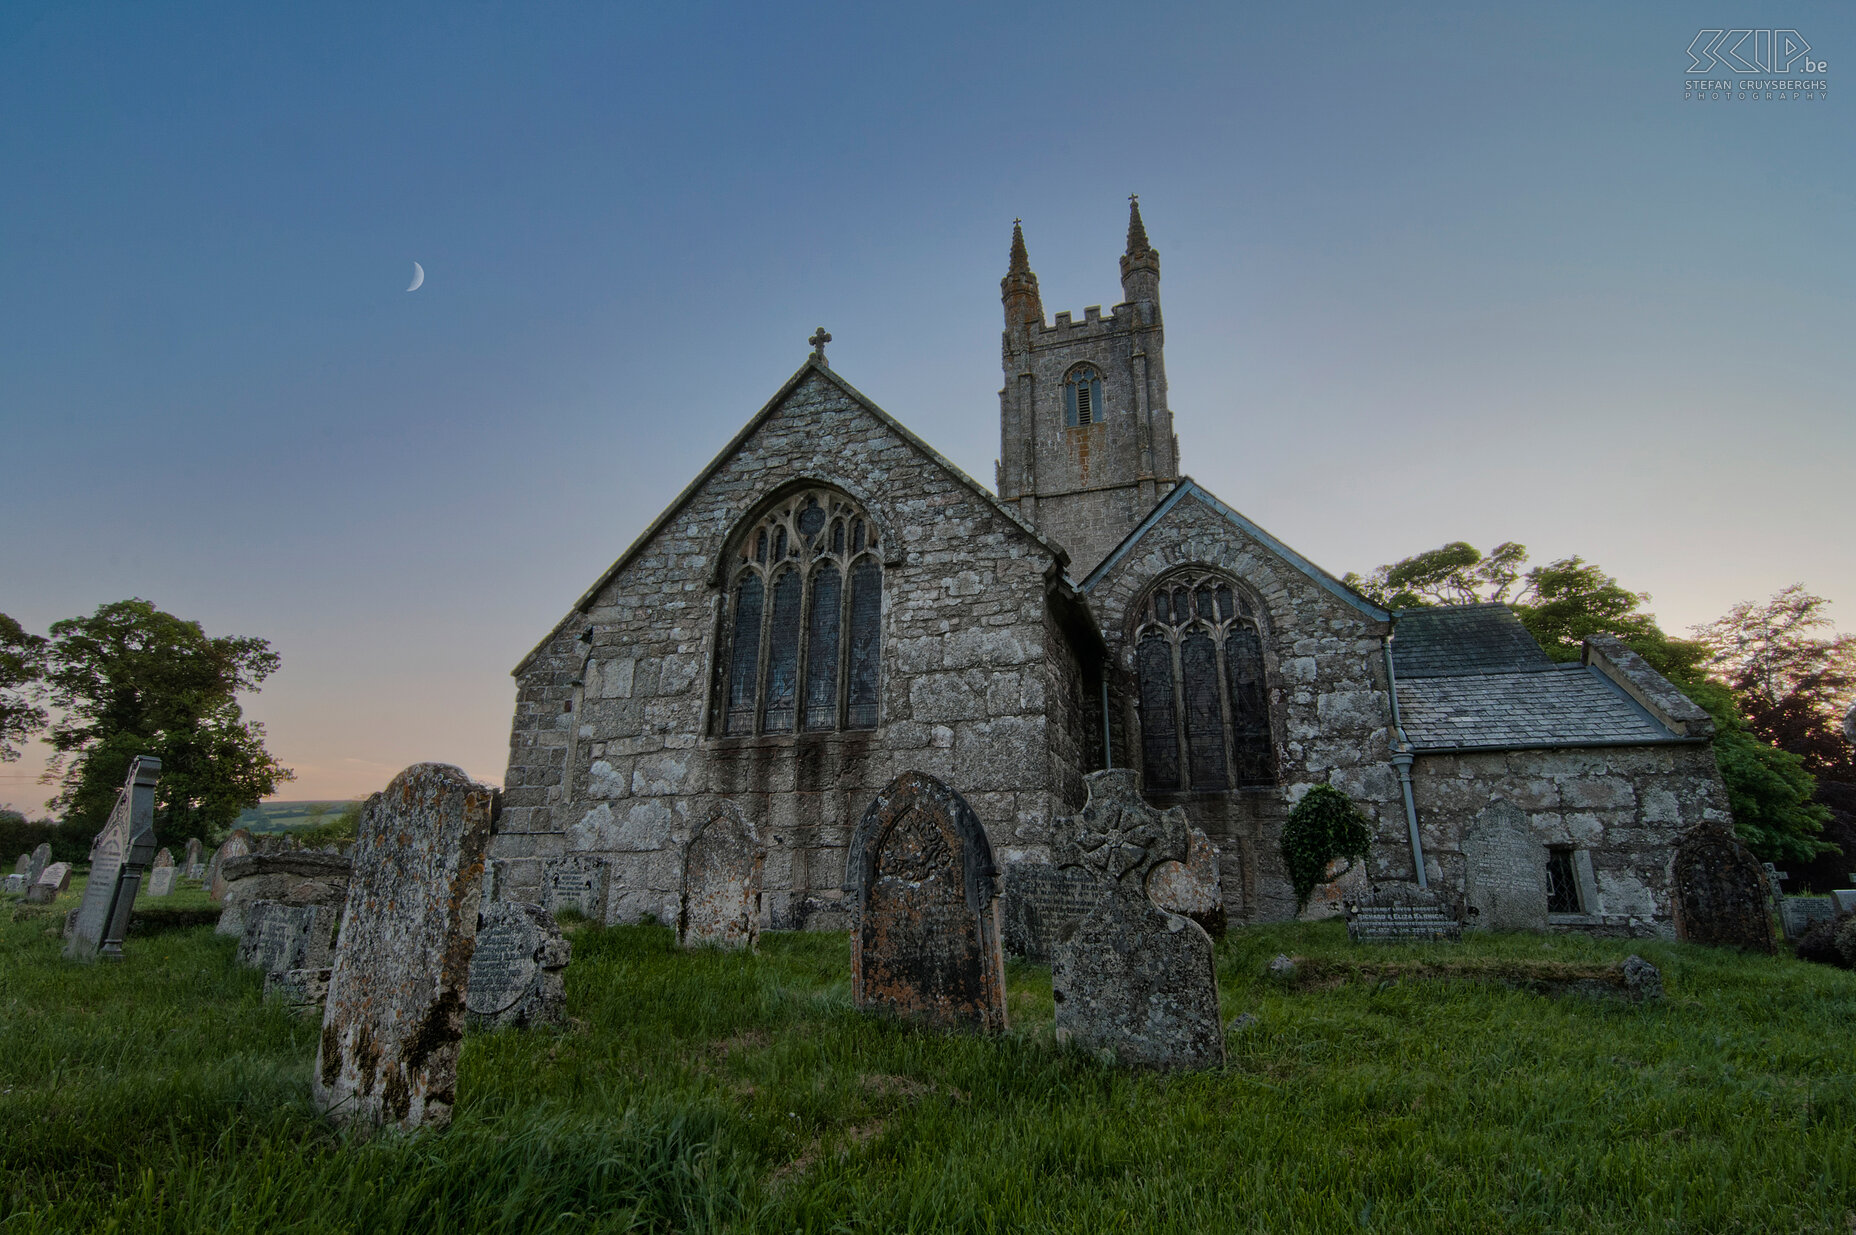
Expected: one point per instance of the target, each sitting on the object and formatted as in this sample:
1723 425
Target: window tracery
1203 700
1082 397
801 628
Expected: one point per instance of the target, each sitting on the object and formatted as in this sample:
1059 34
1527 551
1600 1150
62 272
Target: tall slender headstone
119 855
925 933
389 1046
191 867
721 883
1128 977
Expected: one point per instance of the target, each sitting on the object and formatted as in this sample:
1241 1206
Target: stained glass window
1203 696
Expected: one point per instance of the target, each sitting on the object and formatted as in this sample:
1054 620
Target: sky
1430 273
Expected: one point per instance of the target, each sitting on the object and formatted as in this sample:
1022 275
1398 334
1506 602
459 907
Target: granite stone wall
611 751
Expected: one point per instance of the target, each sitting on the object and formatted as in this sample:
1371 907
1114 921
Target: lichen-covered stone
925 937
1505 877
518 971
303 991
722 867
280 937
1191 888
1128 977
1721 893
389 1044
288 876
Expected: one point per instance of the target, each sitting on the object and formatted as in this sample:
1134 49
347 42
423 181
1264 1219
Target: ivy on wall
1324 825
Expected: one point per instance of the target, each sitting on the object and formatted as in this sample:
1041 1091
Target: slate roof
1472 677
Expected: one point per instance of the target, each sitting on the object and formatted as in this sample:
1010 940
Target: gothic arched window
1205 715
1082 397
800 631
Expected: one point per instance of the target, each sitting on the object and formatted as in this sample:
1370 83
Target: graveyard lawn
741 1092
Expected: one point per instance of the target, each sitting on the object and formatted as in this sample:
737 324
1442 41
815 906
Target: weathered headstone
52 880
24 864
722 863
1401 913
1039 899
389 1045
192 863
119 855
164 859
280 937
1505 875
236 845
925 938
1191 888
576 883
1129 977
36 864
16 883
518 972
160 881
1845 899
303 991
290 876
1798 914
1720 893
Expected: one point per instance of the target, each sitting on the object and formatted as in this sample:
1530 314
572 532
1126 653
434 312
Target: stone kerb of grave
1129 977
236 845
1505 871
119 855
722 865
282 937
1721 896
52 880
390 1030
288 876
518 971
925 932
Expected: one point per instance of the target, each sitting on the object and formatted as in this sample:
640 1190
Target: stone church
831 603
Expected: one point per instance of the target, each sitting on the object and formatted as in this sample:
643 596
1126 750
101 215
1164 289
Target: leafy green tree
22 667
131 679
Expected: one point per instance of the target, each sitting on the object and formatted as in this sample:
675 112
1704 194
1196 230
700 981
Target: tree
1792 684
22 667
131 679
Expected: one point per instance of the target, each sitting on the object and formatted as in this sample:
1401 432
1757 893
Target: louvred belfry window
1082 397
1204 705
801 631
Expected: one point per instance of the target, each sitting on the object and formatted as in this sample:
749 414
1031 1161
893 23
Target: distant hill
285 816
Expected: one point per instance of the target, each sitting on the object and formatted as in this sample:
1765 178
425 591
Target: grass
698 1092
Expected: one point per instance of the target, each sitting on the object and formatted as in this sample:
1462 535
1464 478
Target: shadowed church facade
831 603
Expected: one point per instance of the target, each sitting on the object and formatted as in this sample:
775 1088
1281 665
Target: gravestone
518 972
1845 899
160 881
1191 888
1505 875
1130 978
920 880
389 1045
576 882
35 864
303 991
52 880
281 937
192 863
721 883
1401 913
16 884
119 855
1774 877
1039 899
1799 914
24 864
1720 893
164 859
236 845
291 876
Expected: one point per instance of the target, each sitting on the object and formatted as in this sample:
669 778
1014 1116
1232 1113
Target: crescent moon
418 277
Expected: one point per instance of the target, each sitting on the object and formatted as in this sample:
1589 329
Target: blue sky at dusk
1430 273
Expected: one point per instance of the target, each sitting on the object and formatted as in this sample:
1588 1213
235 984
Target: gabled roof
1190 488
1558 705
1459 639
813 364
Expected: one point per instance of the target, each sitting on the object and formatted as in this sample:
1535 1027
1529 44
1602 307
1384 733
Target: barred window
1082 397
801 626
1204 705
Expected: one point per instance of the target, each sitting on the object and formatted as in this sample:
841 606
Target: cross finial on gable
818 341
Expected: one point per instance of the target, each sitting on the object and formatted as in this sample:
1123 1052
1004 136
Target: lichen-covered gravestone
518 972
1039 899
284 937
1721 896
52 880
576 883
389 1046
1191 888
161 875
236 845
925 939
1129 977
1505 871
720 905
119 855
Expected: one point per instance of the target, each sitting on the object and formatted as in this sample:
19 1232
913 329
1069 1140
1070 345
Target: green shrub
1324 825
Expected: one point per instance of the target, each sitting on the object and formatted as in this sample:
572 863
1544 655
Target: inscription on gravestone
720 905
925 938
118 856
1799 914
1400 913
281 937
517 974
1039 899
1505 875
1721 893
389 1045
1128 977
576 882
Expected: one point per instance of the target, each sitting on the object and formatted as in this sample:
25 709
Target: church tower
1086 444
